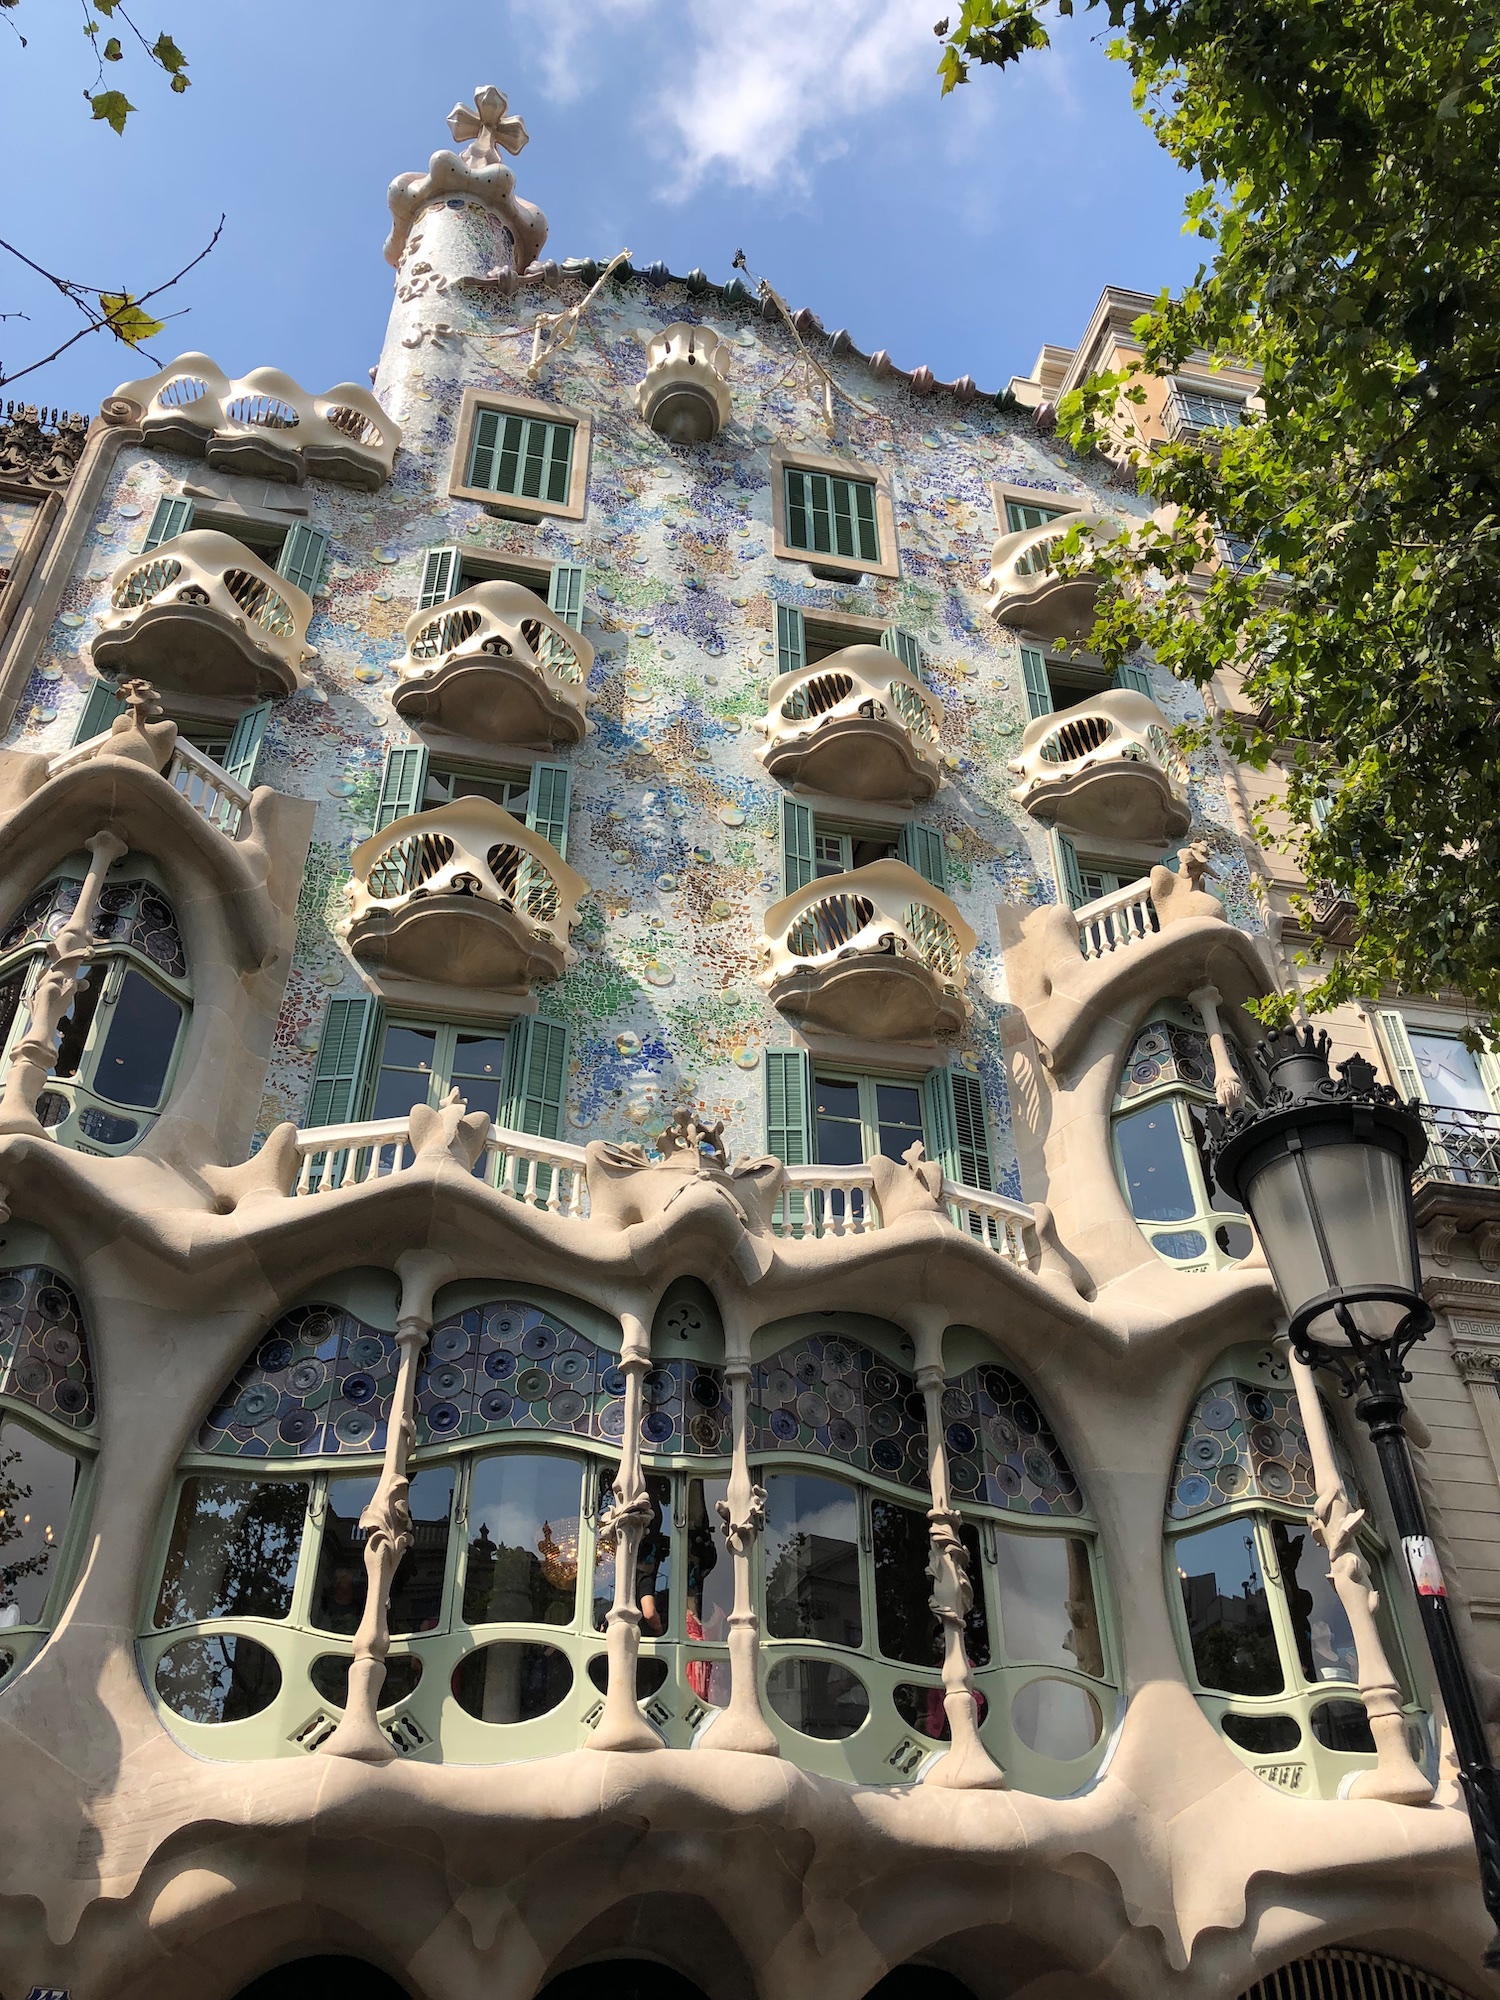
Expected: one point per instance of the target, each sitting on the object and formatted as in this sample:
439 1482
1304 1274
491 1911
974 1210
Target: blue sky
959 231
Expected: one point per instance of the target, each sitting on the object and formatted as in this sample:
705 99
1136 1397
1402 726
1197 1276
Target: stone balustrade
1027 591
208 789
495 664
1106 766
857 724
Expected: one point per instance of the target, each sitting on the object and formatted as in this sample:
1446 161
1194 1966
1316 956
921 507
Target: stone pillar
387 1519
622 1726
1228 1089
743 1725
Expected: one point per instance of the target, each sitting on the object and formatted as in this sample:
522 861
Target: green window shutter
958 1127
343 1051
1399 1055
402 783
798 509
536 1077
921 847
440 577
867 539
173 516
789 1106
797 868
565 592
526 457
99 711
485 448
1018 516
1489 1074
937 1097
547 809
1038 687
1069 874
906 649
303 554
1132 677
244 744
791 639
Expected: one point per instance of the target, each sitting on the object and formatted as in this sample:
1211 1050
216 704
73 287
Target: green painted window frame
832 514
868 1083
520 457
22 1641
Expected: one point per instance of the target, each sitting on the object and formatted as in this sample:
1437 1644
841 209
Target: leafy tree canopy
1347 161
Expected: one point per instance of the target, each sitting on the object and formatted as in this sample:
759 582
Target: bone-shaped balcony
1105 766
1028 592
464 895
684 395
495 664
857 724
201 615
876 952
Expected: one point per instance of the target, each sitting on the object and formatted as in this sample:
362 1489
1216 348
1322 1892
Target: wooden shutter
789 1106
1132 677
1400 1059
958 1127
791 639
798 513
303 554
343 1051
547 808
536 1076
907 649
1489 1076
173 516
441 569
244 744
1069 874
99 711
402 783
565 592
921 847
1038 687
797 865
525 457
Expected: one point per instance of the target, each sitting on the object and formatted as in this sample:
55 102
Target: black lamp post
1323 1169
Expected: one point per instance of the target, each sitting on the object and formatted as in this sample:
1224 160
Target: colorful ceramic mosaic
44 1347
1001 1449
1242 1443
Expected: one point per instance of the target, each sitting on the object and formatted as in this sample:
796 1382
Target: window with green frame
1023 514
857 1117
830 515
526 458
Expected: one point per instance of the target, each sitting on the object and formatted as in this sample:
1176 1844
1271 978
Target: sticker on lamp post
1421 1560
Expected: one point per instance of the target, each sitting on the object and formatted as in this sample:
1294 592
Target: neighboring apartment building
617 1361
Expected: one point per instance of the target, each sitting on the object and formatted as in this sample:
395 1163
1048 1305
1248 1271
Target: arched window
120 1038
47 1426
1265 1640
1165 1088
1340 1972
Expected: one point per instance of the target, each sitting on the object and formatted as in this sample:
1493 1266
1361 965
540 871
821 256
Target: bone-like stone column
1228 1089
743 1725
69 952
622 1726
387 1519
966 1765
1396 1776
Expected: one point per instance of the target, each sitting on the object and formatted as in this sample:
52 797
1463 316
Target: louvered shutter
797 868
789 1106
1038 688
441 569
565 592
303 554
401 783
244 744
958 1127
1133 677
1069 874
536 1076
99 711
921 847
907 649
791 639
173 516
547 806
1489 1076
348 1028
1400 1058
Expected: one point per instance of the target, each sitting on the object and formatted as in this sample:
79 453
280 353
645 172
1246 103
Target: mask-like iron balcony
876 952
857 724
1028 592
200 614
1108 766
464 894
495 664
684 395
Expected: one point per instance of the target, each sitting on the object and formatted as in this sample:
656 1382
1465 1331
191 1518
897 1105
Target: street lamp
1323 1169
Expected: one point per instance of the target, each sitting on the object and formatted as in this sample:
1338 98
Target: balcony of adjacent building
857 724
466 895
1029 592
1108 767
497 665
875 952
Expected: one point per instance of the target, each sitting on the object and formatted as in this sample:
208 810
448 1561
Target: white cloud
567 40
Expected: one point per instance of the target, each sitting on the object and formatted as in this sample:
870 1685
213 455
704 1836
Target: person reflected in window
343 1600
649 1565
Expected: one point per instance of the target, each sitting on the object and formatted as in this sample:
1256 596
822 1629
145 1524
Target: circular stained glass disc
499 1364
1192 1491
354 1427
532 1384
567 1406
449 1342
1276 1479
784 1426
539 1341
495 1407
1204 1452
570 1365
358 1388
1218 1413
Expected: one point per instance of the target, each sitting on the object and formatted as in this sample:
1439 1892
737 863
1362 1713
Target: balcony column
1228 1089
1335 1526
386 1521
743 1725
622 1726
67 955
966 1765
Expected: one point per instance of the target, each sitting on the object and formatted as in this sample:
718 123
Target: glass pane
653 1563
1264 1735
1228 1617
1344 1725
37 1483
11 990
1157 1183
222 1678
417 1587
1047 1608
650 1674
234 1547
137 1053
511 1683
1225 1204
478 1065
898 1109
840 1133
812 1559
522 1564
405 1071
817 1697
1057 1719
904 1619
1320 1626
831 854
710 1567
329 1674
1449 1072
79 1019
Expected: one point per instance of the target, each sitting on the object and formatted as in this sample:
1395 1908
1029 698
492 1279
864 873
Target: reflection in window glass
817 1698
522 1562
710 1567
904 1618
223 1677
478 1064
1047 1609
233 1552
417 1587
1228 1617
511 1682
898 1111
1449 1072
812 1559
1057 1719
1156 1172
74 1031
653 1563
1325 1642
37 1482
132 1067
405 1075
